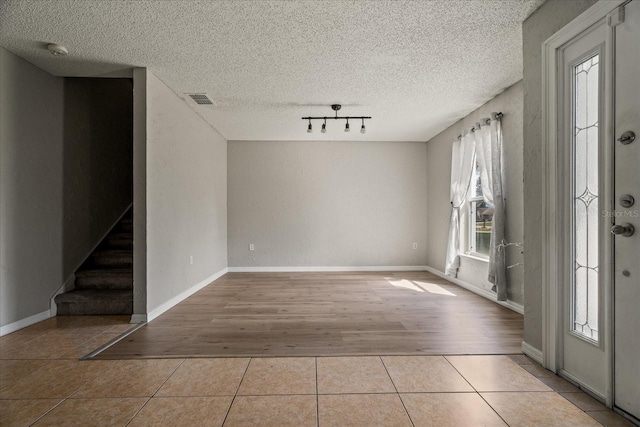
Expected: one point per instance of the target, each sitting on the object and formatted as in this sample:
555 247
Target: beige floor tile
450 409
92 413
609 418
495 373
49 346
537 370
18 413
537 409
282 375
347 410
183 411
89 346
415 374
584 401
521 359
281 411
559 384
353 375
58 379
12 370
129 378
205 377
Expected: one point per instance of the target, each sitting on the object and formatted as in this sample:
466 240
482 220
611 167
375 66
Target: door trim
552 244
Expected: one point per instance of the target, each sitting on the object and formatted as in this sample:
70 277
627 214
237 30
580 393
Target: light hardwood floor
326 314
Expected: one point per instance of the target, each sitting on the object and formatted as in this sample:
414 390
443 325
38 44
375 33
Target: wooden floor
326 314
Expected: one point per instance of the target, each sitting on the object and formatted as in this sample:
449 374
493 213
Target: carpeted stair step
94 302
105 278
114 258
104 282
122 240
126 224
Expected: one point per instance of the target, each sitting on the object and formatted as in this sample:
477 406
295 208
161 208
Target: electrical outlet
415 246
190 259
251 247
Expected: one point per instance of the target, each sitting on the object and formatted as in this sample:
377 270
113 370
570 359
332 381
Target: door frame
553 237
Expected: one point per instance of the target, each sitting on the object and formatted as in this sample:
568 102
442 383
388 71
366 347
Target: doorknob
625 229
627 138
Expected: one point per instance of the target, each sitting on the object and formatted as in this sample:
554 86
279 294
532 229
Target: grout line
155 392
317 398
477 392
167 379
236 393
397 392
138 411
492 408
48 412
460 373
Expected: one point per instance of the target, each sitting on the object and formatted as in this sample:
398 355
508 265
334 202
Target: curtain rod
497 116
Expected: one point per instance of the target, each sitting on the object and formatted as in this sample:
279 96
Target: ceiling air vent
200 98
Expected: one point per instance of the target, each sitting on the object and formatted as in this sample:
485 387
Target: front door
598 97
626 272
585 189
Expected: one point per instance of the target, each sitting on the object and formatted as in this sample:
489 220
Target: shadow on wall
97 162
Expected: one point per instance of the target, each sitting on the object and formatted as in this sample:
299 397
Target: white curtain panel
483 153
462 155
489 152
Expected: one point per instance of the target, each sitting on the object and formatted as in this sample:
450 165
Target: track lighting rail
336 117
336 107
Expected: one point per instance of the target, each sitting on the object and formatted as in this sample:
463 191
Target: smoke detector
57 49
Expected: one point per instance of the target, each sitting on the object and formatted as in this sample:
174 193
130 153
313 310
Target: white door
627 183
585 190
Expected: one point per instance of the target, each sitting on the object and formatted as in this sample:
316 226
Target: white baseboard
532 352
138 318
67 286
312 269
183 295
23 323
518 308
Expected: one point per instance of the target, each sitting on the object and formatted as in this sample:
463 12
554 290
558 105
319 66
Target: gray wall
325 203
542 24
186 196
98 156
31 176
471 270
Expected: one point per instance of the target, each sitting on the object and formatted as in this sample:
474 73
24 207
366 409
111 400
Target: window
585 215
480 217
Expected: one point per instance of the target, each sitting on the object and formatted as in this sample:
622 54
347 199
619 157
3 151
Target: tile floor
43 384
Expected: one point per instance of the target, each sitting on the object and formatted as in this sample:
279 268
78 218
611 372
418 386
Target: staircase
104 283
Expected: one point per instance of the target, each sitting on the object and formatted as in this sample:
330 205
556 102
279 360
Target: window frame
470 234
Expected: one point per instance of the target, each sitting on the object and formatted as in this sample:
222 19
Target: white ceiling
415 66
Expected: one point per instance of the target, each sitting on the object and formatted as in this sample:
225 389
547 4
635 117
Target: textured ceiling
415 66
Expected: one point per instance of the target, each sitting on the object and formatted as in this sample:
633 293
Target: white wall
186 196
542 24
322 203
327 203
471 270
31 178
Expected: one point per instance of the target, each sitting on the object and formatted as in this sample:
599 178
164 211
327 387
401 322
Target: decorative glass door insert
585 216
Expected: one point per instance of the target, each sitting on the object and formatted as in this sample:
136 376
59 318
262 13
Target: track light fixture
335 107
